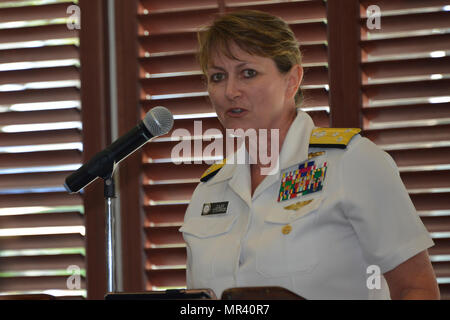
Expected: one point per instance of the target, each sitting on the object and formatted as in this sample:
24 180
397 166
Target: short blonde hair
256 33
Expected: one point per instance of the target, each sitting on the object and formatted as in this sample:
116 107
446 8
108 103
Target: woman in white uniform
331 220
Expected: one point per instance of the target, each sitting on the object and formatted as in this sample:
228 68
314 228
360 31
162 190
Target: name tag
214 208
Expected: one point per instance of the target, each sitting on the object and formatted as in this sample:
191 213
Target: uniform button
286 229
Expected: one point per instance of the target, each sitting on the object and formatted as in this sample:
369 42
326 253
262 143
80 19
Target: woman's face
250 92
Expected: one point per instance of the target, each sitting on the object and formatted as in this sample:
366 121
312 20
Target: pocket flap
207 226
284 215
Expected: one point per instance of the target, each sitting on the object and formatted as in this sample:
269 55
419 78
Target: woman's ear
294 79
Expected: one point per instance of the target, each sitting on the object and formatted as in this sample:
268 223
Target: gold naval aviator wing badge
298 205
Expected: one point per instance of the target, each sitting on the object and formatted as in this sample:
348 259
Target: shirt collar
296 144
294 149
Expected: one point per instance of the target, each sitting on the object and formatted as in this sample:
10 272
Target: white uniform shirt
363 216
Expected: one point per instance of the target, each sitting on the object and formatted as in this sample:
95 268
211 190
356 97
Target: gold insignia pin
298 205
315 154
286 229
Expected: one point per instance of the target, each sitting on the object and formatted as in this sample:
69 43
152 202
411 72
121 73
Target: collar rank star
213 208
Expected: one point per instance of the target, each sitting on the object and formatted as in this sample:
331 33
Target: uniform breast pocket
205 238
286 243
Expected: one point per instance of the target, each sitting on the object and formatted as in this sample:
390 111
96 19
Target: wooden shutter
406 107
41 225
169 76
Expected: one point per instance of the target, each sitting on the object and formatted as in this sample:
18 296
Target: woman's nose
232 90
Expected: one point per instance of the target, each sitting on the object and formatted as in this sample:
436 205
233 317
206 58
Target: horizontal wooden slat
39 54
48 32
426 179
416 157
166 278
408 24
169 171
444 289
36 283
42 242
40 199
391 5
42 220
310 33
181 84
45 158
170 43
409 135
191 20
246 3
317 97
431 201
44 137
379 71
26 181
186 42
195 105
291 12
420 45
441 247
162 235
168 192
165 257
166 64
156 6
43 262
37 12
442 269
195 83
374 117
186 62
173 22
39 75
315 76
40 95
314 54
164 214
437 223
46 116
320 118
180 106
378 93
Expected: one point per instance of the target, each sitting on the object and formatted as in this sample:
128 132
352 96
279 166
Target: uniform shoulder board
332 137
212 171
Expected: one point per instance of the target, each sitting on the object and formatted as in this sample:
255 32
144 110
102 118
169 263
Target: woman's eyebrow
236 67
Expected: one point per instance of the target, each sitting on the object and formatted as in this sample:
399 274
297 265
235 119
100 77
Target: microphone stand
109 193
110 232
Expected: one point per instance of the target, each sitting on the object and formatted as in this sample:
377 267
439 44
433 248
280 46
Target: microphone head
158 121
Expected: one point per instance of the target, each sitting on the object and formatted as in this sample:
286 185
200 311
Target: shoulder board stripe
212 171
332 137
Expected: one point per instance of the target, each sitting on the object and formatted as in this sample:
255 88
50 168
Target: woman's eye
216 77
249 73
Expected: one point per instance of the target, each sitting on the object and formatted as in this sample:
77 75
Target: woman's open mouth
236 112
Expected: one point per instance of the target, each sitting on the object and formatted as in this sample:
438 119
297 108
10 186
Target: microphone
157 122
